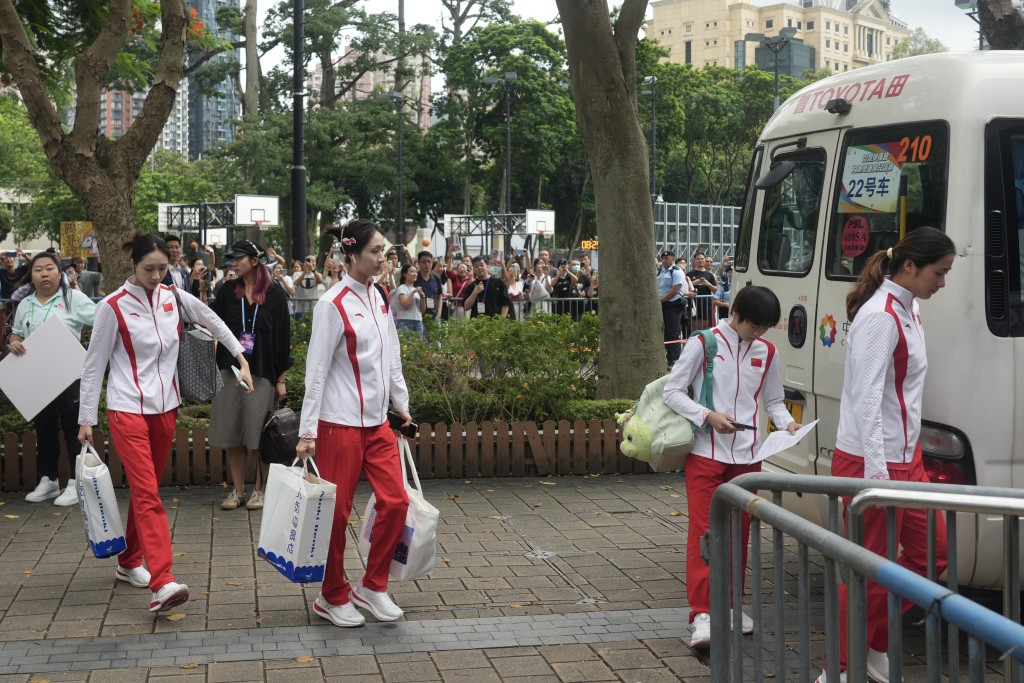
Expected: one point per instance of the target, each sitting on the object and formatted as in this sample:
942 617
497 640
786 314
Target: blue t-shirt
669 278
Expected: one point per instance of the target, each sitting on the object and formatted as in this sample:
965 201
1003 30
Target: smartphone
738 425
395 422
238 373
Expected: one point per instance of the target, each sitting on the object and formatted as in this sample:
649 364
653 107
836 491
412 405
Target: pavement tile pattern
560 579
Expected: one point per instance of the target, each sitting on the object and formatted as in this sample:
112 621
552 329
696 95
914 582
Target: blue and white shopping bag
98 504
298 513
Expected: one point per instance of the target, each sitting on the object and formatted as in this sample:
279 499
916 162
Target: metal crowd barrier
982 626
524 308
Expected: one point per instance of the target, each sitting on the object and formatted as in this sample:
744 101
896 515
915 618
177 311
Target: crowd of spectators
456 286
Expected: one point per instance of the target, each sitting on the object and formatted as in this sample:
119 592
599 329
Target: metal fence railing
683 227
983 627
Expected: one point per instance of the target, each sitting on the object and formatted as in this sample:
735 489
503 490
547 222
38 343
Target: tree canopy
917 43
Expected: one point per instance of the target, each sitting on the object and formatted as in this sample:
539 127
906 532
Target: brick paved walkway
564 579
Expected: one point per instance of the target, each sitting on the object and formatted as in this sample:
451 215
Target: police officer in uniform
673 288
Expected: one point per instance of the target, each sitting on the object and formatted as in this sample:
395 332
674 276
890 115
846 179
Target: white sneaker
138 577
748 623
378 602
44 491
171 595
878 666
345 615
701 637
70 495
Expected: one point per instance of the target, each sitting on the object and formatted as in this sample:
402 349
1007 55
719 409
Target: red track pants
143 443
911 535
343 453
703 476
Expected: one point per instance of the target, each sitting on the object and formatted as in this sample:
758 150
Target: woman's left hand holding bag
85 434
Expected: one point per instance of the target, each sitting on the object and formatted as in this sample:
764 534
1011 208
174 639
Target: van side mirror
778 172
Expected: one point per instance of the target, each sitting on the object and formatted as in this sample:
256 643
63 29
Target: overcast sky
939 18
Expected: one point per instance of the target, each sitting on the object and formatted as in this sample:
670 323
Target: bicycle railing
940 603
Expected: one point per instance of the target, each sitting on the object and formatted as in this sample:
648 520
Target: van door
788 234
885 176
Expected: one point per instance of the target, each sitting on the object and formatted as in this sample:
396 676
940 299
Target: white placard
871 179
53 360
780 440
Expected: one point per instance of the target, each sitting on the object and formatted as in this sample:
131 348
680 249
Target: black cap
245 248
667 252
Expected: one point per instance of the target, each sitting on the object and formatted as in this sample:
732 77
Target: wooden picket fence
490 449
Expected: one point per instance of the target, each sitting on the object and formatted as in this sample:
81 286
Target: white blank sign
53 360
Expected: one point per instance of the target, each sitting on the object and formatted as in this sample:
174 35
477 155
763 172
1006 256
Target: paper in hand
781 439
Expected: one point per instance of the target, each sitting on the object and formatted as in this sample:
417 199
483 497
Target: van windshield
888 176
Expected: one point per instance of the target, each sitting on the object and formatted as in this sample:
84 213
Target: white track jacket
140 338
883 384
354 363
743 373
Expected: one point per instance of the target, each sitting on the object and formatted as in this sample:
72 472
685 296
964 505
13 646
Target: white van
842 168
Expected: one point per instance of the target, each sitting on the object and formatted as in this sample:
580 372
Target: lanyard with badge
430 291
32 313
481 302
248 339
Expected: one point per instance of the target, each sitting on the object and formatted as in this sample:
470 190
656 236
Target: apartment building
212 117
844 34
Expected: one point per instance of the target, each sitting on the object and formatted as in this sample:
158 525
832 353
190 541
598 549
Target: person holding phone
255 308
353 371
705 284
411 302
725 436
137 333
880 412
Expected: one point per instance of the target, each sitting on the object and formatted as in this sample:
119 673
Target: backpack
655 433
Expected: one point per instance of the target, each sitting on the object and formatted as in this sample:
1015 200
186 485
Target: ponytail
923 246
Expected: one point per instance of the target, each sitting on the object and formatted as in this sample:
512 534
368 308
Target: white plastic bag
298 513
99 504
417 548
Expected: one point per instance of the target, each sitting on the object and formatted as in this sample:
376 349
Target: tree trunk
251 96
1001 24
101 173
602 63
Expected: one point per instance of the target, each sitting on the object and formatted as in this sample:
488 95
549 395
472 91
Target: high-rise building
120 108
844 34
212 117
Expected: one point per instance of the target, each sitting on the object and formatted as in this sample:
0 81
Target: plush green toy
636 436
656 434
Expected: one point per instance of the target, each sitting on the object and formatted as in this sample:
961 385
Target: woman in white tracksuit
137 331
880 411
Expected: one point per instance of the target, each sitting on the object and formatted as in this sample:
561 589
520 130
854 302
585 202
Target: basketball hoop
258 224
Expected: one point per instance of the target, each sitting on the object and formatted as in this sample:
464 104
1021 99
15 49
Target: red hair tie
348 241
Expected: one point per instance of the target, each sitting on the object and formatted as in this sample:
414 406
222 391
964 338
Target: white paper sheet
53 360
781 439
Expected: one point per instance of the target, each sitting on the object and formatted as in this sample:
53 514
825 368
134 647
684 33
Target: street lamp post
399 99
298 240
507 80
652 81
776 44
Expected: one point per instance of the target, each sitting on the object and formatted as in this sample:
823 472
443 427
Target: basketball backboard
540 222
252 209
